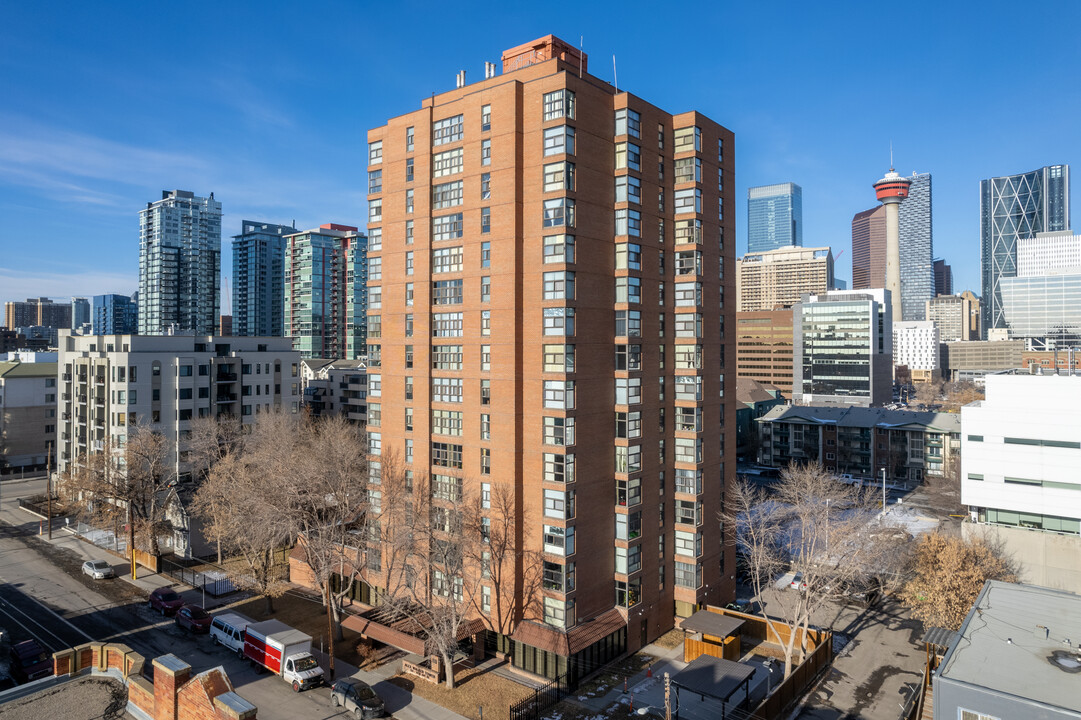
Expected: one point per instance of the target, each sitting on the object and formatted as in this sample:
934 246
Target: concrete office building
180 264
1011 208
973 360
1020 477
943 278
114 315
975 326
326 294
869 249
842 348
1049 253
1015 656
774 217
778 278
37 312
764 348
111 384
915 346
27 413
526 224
259 279
951 314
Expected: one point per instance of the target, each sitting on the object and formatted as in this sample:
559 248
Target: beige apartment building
777 278
555 256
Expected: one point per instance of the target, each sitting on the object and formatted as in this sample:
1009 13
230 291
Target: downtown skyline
104 113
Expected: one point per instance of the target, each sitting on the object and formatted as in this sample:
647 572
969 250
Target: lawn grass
670 640
473 690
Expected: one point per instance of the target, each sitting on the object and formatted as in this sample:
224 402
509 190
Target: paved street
41 600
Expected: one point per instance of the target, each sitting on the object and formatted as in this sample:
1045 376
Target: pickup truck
284 651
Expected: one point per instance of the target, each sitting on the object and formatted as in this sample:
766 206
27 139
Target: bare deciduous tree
128 484
329 499
211 440
514 575
814 525
946 574
242 501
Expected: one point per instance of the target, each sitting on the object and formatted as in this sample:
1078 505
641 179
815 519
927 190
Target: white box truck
284 651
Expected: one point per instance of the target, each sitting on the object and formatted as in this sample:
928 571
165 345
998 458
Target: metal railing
544 697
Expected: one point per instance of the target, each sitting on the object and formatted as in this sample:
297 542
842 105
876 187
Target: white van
228 629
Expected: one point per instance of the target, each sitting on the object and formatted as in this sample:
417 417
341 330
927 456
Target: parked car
227 629
165 600
98 569
357 696
29 661
193 618
798 583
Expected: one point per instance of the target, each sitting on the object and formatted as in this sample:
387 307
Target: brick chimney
170 674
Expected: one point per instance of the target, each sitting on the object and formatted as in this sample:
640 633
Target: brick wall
174 694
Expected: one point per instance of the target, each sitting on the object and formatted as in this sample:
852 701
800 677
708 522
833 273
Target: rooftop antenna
581 45
615 75
891 155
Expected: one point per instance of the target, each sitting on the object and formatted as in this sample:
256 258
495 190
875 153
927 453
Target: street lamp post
883 494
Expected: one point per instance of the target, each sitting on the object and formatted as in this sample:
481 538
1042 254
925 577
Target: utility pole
330 632
667 697
49 487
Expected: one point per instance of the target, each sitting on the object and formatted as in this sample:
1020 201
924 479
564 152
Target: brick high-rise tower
554 303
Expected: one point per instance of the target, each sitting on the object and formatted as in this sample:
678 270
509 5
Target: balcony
225 398
225 377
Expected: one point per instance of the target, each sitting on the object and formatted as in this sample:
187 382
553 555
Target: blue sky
266 104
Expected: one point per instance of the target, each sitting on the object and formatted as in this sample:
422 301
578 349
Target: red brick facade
511 137
174 695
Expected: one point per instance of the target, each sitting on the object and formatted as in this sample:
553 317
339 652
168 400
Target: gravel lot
87 698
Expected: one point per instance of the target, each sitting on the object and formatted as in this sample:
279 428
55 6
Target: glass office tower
1014 207
774 217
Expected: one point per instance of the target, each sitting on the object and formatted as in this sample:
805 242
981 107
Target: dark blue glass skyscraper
774 217
259 279
114 315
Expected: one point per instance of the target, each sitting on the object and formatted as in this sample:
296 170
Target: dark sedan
193 618
165 600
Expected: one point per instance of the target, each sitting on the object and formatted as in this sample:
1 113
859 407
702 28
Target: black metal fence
532 708
214 582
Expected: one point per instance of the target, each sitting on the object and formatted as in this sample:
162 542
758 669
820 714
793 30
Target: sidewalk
646 690
400 703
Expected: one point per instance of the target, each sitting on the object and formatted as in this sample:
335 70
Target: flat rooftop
1009 642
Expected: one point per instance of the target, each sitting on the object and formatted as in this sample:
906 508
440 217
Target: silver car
98 569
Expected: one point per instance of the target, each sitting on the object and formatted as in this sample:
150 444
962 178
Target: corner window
628 122
559 140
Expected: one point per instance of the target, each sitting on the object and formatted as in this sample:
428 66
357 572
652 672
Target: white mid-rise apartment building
111 384
1021 473
915 345
1049 253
